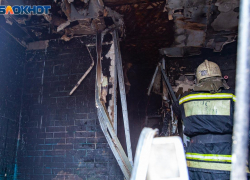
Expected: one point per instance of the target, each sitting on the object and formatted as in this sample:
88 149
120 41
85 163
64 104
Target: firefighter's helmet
207 69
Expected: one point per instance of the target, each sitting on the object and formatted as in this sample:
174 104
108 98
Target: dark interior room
81 82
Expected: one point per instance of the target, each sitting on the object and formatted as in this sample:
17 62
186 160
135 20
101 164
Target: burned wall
11 78
61 136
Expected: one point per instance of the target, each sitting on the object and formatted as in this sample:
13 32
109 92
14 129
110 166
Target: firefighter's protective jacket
207 114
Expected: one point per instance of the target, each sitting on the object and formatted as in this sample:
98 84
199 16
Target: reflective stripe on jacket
210 161
208 157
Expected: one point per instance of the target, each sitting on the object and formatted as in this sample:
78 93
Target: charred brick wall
11 78
61 137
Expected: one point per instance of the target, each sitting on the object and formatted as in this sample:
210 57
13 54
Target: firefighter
207 113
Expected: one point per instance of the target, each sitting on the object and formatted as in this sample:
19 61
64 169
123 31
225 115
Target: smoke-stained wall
61 136
11 79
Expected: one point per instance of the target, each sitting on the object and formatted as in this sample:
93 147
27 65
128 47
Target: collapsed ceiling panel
67 19
201 24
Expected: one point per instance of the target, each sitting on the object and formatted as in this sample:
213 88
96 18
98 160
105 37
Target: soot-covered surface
61 136
11 78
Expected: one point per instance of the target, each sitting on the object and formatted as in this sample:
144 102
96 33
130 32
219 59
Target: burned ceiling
175 27
201 24
146 27
67 19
